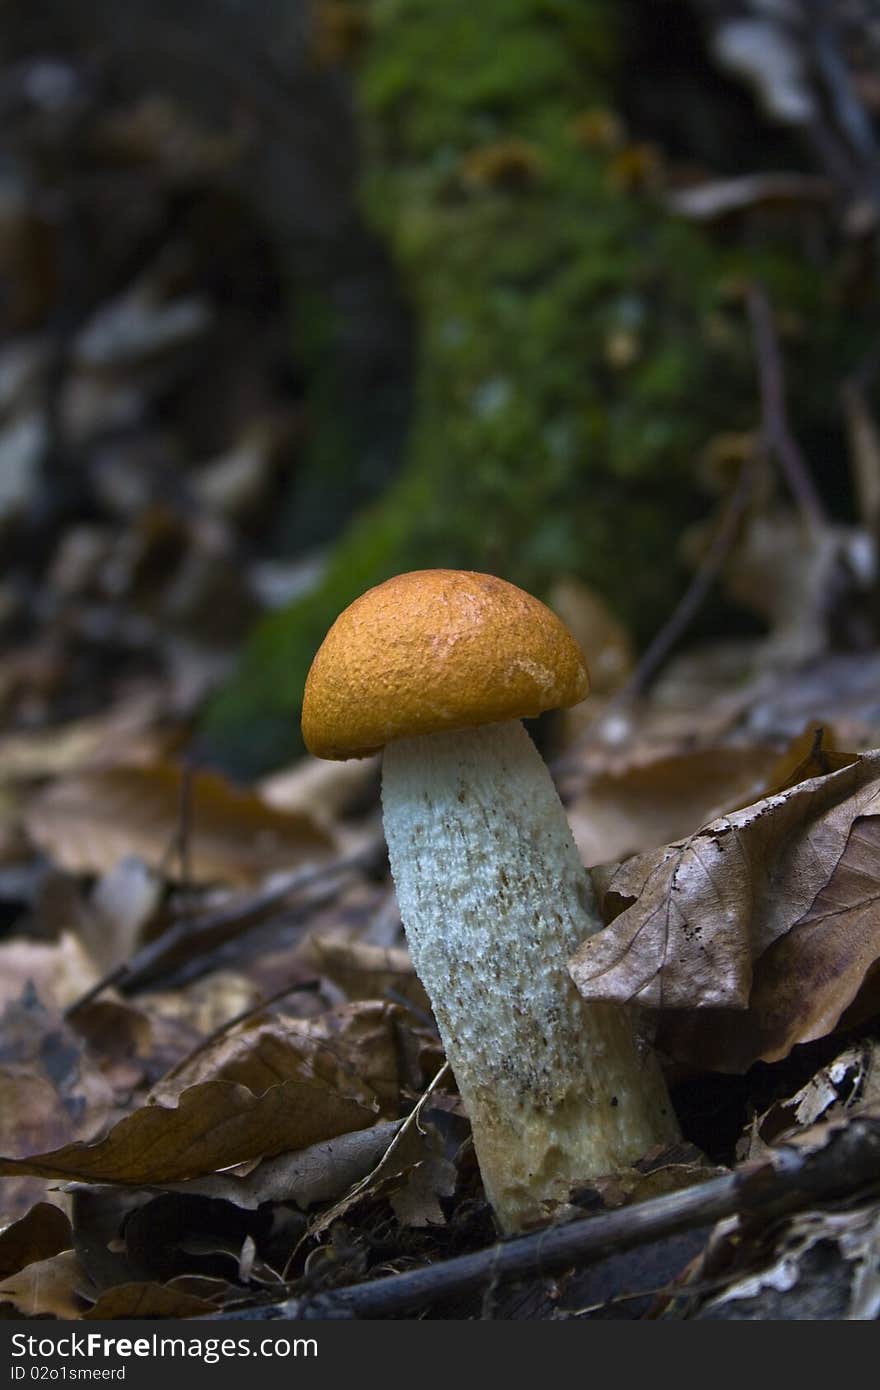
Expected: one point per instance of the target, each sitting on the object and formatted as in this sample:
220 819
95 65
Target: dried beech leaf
806 979
350 1050
417 1201
125 731
597 630
813 754
89 822
697 914
42 1232
319 787
320 1173
213 1126
626 812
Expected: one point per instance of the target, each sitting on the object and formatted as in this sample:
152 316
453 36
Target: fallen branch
195 936
790 1178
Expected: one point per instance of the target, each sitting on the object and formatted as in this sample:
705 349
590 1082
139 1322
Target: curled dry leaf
213 1126
350 1050
411 1172
87 823
321 788
819 1265
416 1202
767 911
320 1173
849 1082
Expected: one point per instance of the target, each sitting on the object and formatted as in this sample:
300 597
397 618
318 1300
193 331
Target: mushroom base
495 900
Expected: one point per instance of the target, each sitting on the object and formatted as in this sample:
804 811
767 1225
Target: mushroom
438 667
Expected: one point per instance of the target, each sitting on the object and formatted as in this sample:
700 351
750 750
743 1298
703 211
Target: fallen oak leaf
214 1125
697 914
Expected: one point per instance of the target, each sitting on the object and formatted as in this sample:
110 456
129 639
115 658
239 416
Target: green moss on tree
578 345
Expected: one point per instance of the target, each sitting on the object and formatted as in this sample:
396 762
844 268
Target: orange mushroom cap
436 650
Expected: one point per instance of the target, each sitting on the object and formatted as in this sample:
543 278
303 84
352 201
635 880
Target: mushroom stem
494 900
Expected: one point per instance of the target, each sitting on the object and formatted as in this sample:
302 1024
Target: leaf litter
219 1077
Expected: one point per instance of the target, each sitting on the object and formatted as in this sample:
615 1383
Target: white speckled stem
494 900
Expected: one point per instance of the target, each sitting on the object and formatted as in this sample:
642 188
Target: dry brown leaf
604 640
648 804
697 913
60 971
806 979
765 918
320 787
124 733
51 1093
814 753
321 1173
350 1050
849 1082
365 971
148 1301
816 1266
42 1232
416 1202
57 1287
89 822
790 573
213 1126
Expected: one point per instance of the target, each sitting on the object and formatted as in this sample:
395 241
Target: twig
326 1218
193 937
852 119
697 591
789 1179
776 434
676 625
212 1038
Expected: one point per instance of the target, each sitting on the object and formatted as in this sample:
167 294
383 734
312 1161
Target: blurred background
299 294
302 293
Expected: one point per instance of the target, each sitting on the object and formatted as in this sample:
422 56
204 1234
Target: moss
578 345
